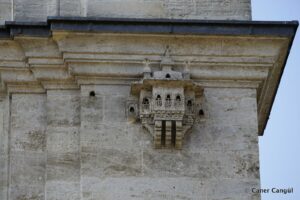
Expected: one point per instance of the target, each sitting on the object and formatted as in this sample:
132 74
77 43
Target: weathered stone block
31 140
4 147
28 169
63 157
111 163
28 111
62 190
236 107
232 189
203 165
28 121
110 136
144 188
115 108
63 167
131 8
30 10
3 174
27 192
63 108
71 8
53 8
62 140
5 11
92 111
4 118
210 136
199 9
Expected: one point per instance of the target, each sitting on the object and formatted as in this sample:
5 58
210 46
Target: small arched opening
92 94
201 113
178 100
131 110
158 100
168 100
146 104
189 106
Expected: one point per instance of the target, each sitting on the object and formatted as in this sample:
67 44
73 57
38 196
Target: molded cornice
65 53
149 26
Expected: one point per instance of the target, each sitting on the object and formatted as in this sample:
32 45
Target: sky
280 146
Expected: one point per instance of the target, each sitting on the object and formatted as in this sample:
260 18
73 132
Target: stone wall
4 147
63 157
38 10
67 145
58 142
27 146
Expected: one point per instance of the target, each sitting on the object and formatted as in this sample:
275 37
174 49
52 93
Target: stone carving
168 103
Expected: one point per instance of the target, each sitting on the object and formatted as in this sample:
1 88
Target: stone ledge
65 53
148 26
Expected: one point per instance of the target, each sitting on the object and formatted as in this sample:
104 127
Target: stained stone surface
62 142
67 145
63 157
33 10
5 10
27 146
4 147
59 142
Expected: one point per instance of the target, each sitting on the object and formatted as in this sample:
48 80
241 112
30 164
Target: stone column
179 135
63 158
4 146
168 133
110 146
157 133
27 146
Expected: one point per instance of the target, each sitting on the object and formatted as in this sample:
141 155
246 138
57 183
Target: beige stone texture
117 154
27 146
5 11
65 131
58 142
39 10
68 145
63 157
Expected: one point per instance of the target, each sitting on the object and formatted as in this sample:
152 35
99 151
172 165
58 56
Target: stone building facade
135 99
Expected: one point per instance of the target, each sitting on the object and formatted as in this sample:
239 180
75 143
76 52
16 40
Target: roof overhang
149 26
65 52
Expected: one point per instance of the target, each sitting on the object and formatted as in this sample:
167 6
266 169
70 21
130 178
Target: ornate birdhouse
168 103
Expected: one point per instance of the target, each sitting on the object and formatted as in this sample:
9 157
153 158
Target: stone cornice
148 26
65 53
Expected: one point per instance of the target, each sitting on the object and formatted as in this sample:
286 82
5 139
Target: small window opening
168 76
168 100
145 103
190 106
201 112
92 93
131 109
158 100
173 133
163 134
178 101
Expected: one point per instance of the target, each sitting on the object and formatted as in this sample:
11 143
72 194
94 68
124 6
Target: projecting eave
66 52
148 26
